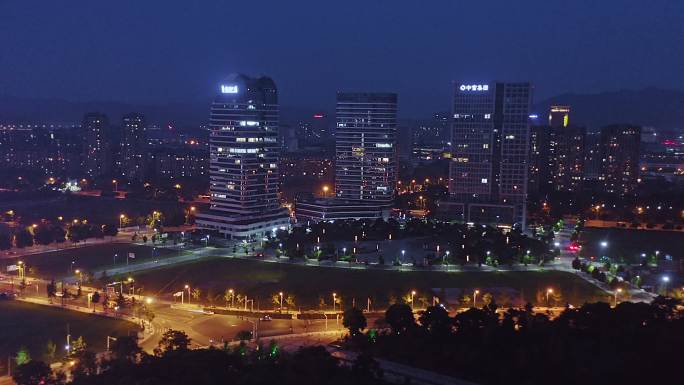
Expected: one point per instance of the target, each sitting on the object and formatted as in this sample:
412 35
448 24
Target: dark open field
95 209
58 264
629 244
32 326
260 280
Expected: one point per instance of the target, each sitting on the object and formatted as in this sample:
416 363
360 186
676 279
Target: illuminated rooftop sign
474 87
226 89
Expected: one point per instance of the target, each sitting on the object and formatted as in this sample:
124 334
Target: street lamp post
475 293
281 301
116 185
666 280
618 290
232 298
187 287
548 292
413 293
334 301
121 218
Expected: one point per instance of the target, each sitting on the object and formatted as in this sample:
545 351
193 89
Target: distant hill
22 110
663 109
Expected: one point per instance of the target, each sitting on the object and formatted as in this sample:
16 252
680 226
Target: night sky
158 51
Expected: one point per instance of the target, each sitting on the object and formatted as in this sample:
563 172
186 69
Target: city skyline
143 52
358 192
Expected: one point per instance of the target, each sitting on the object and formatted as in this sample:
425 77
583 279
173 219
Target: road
399 373
564 263
208 329
204 329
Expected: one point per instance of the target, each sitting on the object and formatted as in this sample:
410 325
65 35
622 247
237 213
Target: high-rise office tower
365 147
592 156
133 154
244 155
566 158
97 156
559 116
489 151
620 158
538 174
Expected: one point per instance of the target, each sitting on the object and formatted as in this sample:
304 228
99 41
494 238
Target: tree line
173 362
633 343
47 233
459 243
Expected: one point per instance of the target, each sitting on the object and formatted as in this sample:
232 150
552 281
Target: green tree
51 289
290 301
400 318
85 364
78 346
436 321
196 294
120 301
32 373
172 341
58 234
43 235
354 320
23 356
23 238
125 348
5 241
243 335
50 351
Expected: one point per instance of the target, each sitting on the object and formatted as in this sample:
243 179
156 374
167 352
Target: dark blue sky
157 51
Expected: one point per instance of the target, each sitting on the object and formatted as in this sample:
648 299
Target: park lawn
32 326
94 209
260 280
57 264
630 244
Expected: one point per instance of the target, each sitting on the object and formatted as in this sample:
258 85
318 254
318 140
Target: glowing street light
549 291
325 191
666 280
604 244
475 293
187 287
116 185
281 301
334 300
413 293
618 290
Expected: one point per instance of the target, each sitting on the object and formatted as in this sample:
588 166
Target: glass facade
489 145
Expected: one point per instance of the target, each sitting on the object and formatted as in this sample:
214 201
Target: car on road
6 295
335 345
266 318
